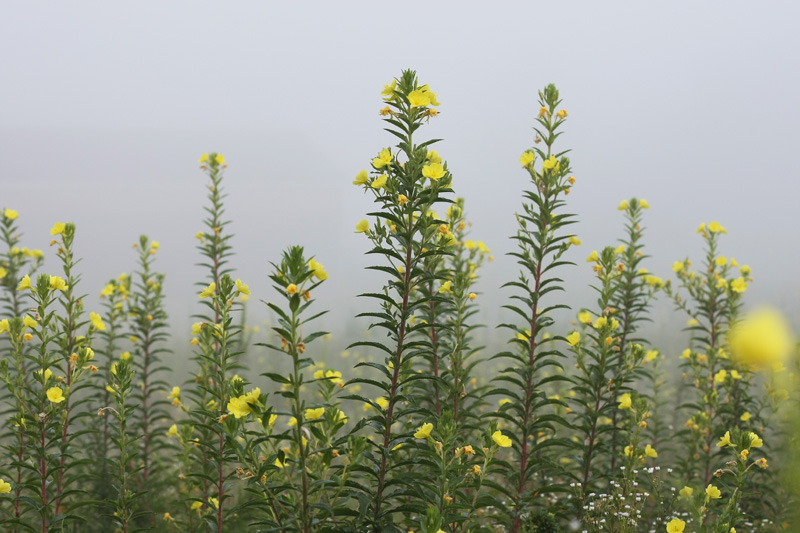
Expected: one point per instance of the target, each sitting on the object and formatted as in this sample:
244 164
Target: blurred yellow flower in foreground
761 339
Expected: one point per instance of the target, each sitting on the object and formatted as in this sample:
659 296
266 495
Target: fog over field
690 105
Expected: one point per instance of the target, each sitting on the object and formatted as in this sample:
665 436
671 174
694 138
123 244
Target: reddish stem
395 376
528 392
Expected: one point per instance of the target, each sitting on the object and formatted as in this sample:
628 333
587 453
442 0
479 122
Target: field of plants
570 427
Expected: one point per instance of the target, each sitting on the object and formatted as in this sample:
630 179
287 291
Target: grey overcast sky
106 106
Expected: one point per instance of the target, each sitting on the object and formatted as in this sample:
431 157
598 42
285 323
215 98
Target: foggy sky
106 107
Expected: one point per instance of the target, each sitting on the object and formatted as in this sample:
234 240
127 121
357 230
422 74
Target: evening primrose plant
405 184
577 425
541 241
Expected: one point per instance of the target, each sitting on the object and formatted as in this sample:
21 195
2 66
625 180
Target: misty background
106 108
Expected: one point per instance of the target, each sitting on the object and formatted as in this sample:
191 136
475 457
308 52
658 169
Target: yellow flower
620 249
434 171
30 322
654 281
5 487
593 258
625 401
241 287
432 95
291 289
173 431
527 158
317 269
57 283
58 228
379 182
313 414
10 214
739 285
755 440
716 227
388 90
676 525
332 375
761 339
382 402
677 266
713 492
203 158
384 158
600 322
575 241
445 287
551 163
47 374
562 114
108 290
623 205
220 159
361 178
55 395
208 291
419 98
97 322
720 376
721 261
501 440
573 338
176 392
3 325
585 317
644 203
686 492
424 431
362 227
239 407
725 440
649 451
745 417
651 355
